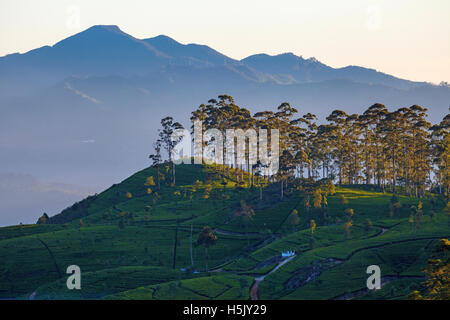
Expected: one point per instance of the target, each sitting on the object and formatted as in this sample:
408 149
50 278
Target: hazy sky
406 38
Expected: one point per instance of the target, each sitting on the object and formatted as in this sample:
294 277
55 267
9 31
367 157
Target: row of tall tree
389 149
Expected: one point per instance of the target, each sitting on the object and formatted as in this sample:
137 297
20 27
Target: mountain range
106 51
85 110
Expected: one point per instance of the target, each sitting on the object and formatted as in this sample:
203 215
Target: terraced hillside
136 241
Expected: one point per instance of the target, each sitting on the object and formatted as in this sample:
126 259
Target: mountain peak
194 53
95 34
163 39
111 27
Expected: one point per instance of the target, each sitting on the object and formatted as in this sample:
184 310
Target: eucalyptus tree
170 139
207 238
440 142
244 124
420 149
374 117
352 135
284 122
200 115
312 145
266 120
324 148
366 121
157 159
246 213
299 138
337 126
260 173
307 151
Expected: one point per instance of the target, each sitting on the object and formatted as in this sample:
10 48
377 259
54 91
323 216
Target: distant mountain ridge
106 50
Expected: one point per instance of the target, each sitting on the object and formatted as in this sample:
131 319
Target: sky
405 38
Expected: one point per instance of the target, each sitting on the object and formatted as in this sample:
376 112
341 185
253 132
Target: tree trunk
260 191
206 258
394 178
246 232
159 178
323 169
175 247
248 170
173 172
281 184
192 257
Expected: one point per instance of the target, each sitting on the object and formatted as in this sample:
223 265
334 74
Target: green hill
134 241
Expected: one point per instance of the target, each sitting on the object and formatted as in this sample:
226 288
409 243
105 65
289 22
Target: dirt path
254 290
254 295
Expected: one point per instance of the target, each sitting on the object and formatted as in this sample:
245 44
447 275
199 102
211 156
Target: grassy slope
136 261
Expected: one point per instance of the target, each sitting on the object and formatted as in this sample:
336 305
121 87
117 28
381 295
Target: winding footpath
254 288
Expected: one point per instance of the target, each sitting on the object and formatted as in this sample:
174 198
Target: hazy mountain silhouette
290 68
106 50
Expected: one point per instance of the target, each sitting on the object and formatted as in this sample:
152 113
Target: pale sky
406 38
